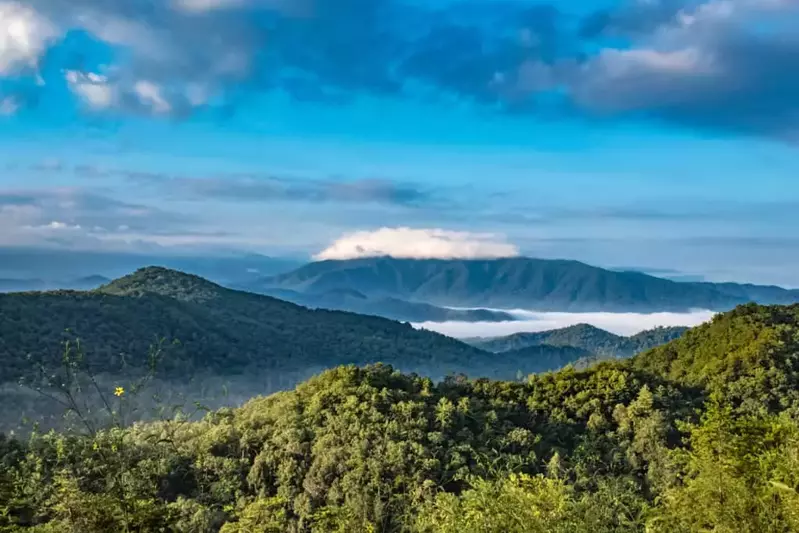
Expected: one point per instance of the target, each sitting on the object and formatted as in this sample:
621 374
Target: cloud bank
531 321
730 65
409 243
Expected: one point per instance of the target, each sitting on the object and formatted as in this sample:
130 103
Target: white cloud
151 95
93 89
727 63
207 5
203 6
531 321
625 62
419 244
99 93
8 106
169 65
56 225
720 11
24 36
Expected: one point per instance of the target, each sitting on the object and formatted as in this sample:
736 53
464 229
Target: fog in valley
533 321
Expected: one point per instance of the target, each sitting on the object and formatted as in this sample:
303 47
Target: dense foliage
700 435
589 338
749 355
212 329
519 283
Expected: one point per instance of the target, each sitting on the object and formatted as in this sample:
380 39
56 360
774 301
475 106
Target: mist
532 321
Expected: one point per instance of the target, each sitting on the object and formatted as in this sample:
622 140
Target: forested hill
699 435
586 337
519 283
207 328
750 355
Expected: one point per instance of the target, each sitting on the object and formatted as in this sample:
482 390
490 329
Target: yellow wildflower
119 391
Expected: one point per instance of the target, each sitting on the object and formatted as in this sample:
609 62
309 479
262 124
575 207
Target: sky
660 135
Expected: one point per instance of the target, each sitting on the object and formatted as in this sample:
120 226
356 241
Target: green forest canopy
697 435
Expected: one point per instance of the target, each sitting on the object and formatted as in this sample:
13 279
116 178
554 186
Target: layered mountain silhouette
208 328
204 328
546 285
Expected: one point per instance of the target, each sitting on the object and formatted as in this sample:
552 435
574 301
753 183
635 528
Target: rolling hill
545 285
208 329
593 340
698 435
750 356
211 329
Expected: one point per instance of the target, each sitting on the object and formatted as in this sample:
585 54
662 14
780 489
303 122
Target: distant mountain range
211 329
407 290
214 330
517 283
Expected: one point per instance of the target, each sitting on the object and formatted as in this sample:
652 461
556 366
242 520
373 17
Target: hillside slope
750 355
526 283
211 329
699 435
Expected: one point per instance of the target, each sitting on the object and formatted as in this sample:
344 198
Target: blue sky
655 134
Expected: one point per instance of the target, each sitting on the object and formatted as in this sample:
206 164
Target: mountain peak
584 327
163 281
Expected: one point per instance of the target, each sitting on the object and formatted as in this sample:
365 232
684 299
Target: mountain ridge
216 329
210 328
519 283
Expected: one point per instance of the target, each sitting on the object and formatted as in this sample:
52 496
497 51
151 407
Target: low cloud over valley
531 321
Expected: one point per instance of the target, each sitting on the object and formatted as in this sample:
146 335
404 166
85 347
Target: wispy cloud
41 215
270 189
255 188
